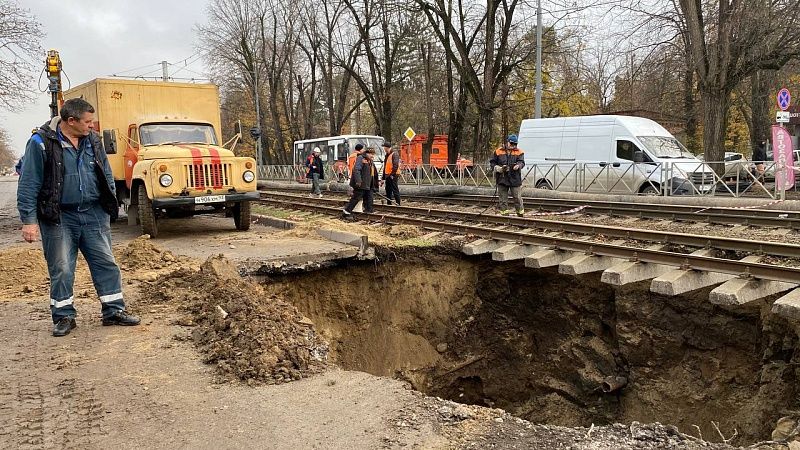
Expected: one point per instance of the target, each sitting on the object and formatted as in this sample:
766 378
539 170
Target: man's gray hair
75 108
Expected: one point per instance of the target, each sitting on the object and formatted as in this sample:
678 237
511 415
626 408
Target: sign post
782 152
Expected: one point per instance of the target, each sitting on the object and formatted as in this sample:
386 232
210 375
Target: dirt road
147 386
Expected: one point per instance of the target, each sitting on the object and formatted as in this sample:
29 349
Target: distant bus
336 148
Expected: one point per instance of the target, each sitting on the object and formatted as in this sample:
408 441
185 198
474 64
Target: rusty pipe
613 384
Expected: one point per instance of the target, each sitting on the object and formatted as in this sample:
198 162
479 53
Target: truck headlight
248 176
165 180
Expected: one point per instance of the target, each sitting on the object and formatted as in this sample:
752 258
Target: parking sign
784 99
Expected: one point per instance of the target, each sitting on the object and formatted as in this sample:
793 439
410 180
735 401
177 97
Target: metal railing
693 178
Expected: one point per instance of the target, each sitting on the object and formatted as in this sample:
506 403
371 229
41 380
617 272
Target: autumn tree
728 41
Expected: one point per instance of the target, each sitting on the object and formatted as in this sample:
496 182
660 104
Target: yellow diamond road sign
409 134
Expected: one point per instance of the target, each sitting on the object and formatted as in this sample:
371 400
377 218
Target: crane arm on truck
53 68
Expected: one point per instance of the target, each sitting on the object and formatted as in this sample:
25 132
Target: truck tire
147 215
242 216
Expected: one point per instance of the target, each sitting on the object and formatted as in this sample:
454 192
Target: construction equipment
53 69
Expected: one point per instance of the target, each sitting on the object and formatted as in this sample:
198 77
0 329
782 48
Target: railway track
756 217
575 237
714 215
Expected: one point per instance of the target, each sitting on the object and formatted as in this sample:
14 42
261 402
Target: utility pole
538 111
164 71
259 161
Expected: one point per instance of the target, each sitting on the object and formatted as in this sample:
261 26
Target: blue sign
784 99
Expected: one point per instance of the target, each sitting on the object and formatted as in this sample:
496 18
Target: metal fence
741 179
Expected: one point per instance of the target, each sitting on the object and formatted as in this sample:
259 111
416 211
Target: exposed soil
539 344
210 364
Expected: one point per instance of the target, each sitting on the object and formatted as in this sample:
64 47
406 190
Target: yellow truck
164 146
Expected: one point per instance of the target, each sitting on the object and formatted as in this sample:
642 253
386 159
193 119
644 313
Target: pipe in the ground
613 384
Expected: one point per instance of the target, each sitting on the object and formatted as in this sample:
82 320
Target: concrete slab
359 241
481 246
512 252
547 258
632 271
788 306
739 291
274 222
587 264
679 281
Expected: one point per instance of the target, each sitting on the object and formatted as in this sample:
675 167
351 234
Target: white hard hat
317 150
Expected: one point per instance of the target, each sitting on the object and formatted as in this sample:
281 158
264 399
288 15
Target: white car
735 163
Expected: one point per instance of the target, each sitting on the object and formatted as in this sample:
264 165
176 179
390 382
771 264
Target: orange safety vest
351 161
388 165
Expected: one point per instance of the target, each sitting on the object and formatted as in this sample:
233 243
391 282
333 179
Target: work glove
498 169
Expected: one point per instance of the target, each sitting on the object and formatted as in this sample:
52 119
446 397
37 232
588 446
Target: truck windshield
177 133
665 147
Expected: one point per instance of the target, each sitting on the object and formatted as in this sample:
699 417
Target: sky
100 38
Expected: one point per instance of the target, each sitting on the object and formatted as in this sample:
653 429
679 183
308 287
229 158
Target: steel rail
645 255
692 240
712 215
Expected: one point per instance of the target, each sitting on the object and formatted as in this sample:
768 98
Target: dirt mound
247 334
140 254
404 231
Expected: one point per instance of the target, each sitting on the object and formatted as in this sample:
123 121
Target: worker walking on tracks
507 163
353 160
315 171
364 181
390 167
67 193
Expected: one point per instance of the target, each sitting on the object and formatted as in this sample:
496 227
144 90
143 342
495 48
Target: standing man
364 180
507 163
67 193
353 162
315 171
390 167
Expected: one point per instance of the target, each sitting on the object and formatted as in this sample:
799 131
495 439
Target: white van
617 154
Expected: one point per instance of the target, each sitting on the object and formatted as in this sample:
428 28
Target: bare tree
729 40
20 35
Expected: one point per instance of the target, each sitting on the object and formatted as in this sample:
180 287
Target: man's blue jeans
90 232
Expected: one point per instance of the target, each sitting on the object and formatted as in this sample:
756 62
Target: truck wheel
650 190
241 216
544 184
147 215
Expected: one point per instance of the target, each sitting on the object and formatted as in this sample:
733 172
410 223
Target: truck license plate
210 199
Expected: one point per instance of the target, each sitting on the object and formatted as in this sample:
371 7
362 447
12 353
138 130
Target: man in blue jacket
66 193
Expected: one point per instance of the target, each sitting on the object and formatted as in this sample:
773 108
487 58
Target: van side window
625 150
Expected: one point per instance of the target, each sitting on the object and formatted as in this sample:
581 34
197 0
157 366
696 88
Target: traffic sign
409 134
784 99
783 117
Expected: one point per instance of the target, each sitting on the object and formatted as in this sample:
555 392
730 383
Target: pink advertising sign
782 153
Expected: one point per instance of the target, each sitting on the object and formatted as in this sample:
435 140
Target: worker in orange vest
390 168
353 157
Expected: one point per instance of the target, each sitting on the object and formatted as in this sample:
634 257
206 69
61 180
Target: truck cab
163 145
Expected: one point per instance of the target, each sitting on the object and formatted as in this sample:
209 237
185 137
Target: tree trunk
691 110
716 103
457 114
483 134
760 103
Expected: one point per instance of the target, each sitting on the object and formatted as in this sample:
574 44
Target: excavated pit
543 345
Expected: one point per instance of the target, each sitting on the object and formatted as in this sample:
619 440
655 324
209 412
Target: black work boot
120 318
64 326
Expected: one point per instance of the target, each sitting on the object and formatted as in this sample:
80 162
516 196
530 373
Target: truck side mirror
110 141
638 156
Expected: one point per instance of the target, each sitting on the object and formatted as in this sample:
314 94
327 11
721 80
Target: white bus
336 148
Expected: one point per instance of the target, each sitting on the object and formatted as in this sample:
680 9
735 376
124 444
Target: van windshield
665 147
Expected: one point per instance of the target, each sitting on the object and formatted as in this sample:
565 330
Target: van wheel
147 215
650 190
242 216
544 184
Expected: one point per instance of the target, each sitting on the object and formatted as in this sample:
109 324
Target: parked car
735 165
